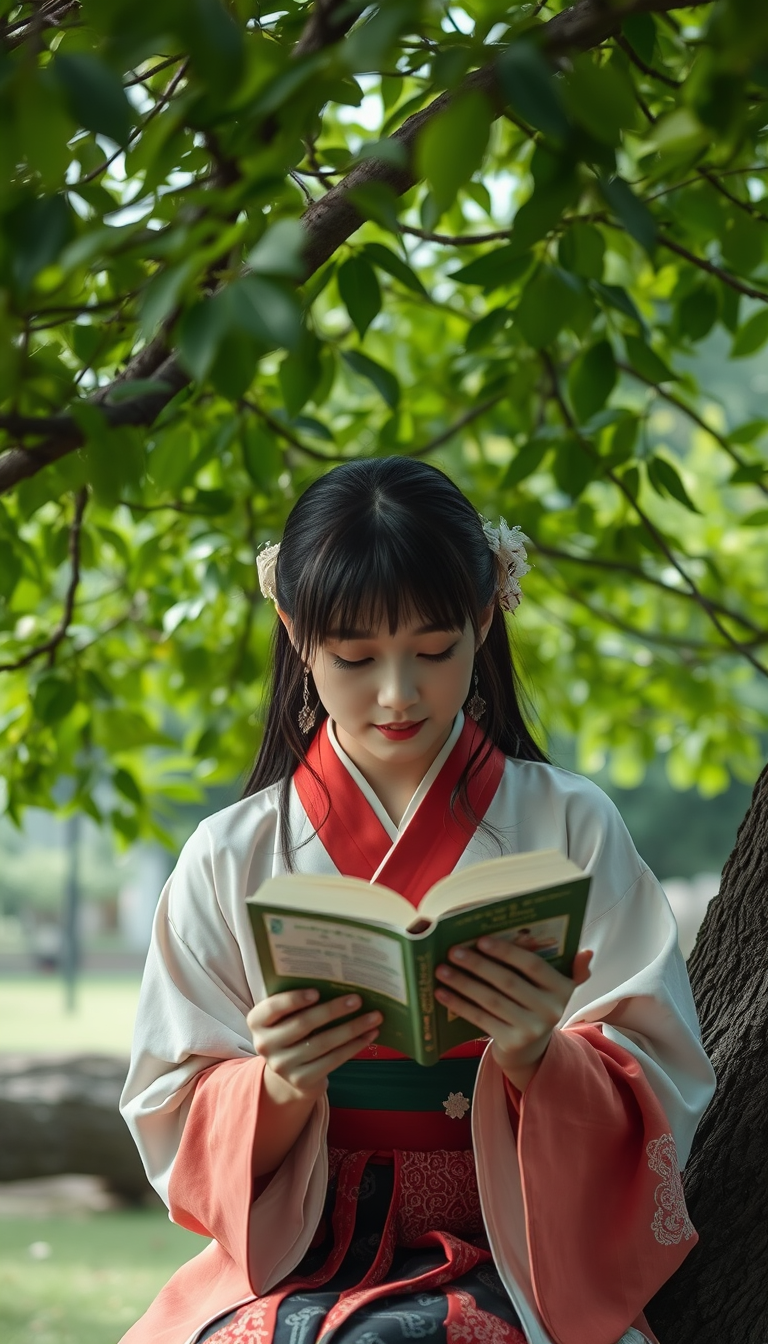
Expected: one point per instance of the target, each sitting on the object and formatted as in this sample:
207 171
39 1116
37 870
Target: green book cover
339 935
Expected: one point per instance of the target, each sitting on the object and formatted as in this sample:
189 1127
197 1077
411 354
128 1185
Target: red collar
435 837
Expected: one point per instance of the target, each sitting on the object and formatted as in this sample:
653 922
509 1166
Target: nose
398 688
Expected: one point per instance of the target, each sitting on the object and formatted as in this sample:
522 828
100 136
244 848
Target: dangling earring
476 707
306 715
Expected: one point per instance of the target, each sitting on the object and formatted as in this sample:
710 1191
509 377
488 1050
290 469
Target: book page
322 949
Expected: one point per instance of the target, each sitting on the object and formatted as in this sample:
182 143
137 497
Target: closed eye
344 664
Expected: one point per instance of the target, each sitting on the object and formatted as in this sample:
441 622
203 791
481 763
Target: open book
338 934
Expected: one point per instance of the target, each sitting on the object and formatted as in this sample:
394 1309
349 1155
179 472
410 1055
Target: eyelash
344 665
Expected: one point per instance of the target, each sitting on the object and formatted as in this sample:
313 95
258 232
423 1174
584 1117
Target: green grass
33 1015
102 1272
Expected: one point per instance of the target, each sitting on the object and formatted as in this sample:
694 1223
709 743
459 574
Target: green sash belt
400 1084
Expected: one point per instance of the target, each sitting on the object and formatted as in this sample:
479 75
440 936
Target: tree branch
695 417
621 567
50 646
329 221
650 526
709 266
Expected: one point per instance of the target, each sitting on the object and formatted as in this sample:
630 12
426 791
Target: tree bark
720 1294
59 1116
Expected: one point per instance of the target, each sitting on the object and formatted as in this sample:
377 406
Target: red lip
398 732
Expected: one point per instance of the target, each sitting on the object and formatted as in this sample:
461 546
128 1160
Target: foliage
236 249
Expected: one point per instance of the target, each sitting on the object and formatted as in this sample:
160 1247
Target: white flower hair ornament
266 560
507 544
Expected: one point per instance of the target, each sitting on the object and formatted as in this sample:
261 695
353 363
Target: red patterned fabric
435 1204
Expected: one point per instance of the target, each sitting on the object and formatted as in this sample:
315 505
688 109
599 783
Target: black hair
368 542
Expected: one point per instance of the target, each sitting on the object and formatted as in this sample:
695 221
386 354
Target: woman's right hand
303 1041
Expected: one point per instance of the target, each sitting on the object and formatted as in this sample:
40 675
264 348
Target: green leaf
215 44
500 267
757 519
125 784
161 296
37 231
697 312
751 336
547 301
212 502
749 473
262 456
300 372
388 261
581 250
383 380
360 292
614 296
601 98
376 201
54 698
531 89
633 213
202 328
10 569
484 330
235 365
748 432
525 462
665 480
95 95
543 211
646 361
451 146
591 380
279 251
573 467
266 310
640 32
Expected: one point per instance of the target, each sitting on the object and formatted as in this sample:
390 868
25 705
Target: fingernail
352 1002
486 944
444 972
310 995
373 1018
459 953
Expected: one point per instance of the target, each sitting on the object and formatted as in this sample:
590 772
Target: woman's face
394 697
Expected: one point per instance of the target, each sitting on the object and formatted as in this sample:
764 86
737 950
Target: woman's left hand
512 995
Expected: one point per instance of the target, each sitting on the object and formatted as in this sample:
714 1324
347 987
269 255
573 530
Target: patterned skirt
400 1252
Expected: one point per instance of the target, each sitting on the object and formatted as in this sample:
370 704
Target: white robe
202 977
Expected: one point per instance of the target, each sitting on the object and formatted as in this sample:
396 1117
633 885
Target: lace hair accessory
507 544
265 564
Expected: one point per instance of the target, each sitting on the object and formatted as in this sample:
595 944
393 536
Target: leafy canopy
237 247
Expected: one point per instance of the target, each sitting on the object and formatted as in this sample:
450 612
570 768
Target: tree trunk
720 1293
58 1116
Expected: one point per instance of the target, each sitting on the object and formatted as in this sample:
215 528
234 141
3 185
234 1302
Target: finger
308 1076
270 1010
324 1042
498 1002
582 966
510 983
274 1013
299 1026
534 967
487 1024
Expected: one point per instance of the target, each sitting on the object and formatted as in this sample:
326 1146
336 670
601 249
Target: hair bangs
393 579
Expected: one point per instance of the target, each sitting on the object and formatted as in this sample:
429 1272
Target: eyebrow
368 634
